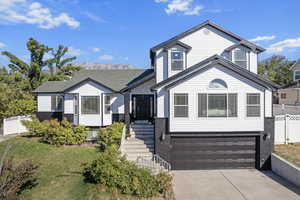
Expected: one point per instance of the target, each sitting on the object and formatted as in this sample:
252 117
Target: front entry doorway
142 107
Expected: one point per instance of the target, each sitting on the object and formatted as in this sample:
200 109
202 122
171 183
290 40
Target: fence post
286 130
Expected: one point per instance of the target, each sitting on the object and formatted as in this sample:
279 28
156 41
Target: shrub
35 127
13 180
115 172
56 133
111 135
64 133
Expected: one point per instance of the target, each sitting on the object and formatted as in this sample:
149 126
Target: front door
142 107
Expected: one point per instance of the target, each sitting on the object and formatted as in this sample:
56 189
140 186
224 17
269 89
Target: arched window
217 83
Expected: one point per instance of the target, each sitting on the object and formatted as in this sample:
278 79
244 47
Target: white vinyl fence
13 125
287 129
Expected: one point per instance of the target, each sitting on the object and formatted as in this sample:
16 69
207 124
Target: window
283 95
107 106
240 57
253 105
297 75
217 105
57 103
90 105
218 83
181 105
177 60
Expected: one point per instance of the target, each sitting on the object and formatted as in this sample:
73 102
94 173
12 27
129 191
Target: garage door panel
200 147
213 152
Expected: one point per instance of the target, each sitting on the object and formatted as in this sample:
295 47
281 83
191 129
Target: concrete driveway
232 185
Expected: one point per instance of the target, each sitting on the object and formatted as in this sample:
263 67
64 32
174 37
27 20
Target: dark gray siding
162 139
117 117
49 115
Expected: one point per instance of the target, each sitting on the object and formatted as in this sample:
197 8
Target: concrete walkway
232 185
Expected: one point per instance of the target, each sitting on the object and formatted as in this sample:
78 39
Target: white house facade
209 107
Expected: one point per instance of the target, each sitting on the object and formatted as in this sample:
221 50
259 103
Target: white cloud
2 45
94 17
186 7
263 38
106 57
74 52
23 11
96 49
281 45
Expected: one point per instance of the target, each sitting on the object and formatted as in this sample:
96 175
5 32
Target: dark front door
142 107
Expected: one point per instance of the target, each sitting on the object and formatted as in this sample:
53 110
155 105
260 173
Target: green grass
290 152
59 175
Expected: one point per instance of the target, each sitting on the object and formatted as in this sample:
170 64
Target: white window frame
187 105
247 57
227 105
98 112
171 60
56 103
295 75
107 104
253 105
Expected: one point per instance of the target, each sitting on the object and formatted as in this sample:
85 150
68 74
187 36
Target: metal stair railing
153 162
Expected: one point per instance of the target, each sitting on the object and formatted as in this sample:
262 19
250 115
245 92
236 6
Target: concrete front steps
140 143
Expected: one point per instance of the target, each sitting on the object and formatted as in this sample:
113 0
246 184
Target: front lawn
290 152
59 173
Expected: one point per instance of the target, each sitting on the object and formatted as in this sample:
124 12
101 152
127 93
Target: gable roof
196 28
209 62
114 80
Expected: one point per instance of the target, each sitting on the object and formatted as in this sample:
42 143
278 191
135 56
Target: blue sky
123 31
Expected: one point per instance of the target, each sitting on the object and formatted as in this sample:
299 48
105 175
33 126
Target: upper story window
253 105
239 57
218 83
177 60
57 103
297 75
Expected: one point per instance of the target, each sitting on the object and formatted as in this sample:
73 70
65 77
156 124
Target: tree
60 68
276 69
33 71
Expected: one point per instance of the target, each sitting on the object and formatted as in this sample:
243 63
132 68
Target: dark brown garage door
213 152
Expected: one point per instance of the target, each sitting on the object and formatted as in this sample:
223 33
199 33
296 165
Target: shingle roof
115 80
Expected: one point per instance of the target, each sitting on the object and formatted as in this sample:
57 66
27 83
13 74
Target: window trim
260 113
247 57
56 105
99 106
187 105
207 103
183 60
295 74
107 105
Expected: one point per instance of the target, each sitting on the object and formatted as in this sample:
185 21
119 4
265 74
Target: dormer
199 43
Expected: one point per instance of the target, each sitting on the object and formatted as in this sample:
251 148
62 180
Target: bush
35 127
13 180
57 133
111 135
115 172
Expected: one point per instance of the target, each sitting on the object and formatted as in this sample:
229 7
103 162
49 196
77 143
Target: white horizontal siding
199 84
44 103
69 104
205 43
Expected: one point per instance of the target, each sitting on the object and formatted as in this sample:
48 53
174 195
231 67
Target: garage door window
181 105
217 105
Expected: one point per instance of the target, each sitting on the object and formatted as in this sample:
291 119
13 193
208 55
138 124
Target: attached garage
213 152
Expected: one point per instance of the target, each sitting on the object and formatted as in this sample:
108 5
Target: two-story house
208 106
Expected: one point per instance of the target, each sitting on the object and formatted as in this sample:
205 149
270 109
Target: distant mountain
93 66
